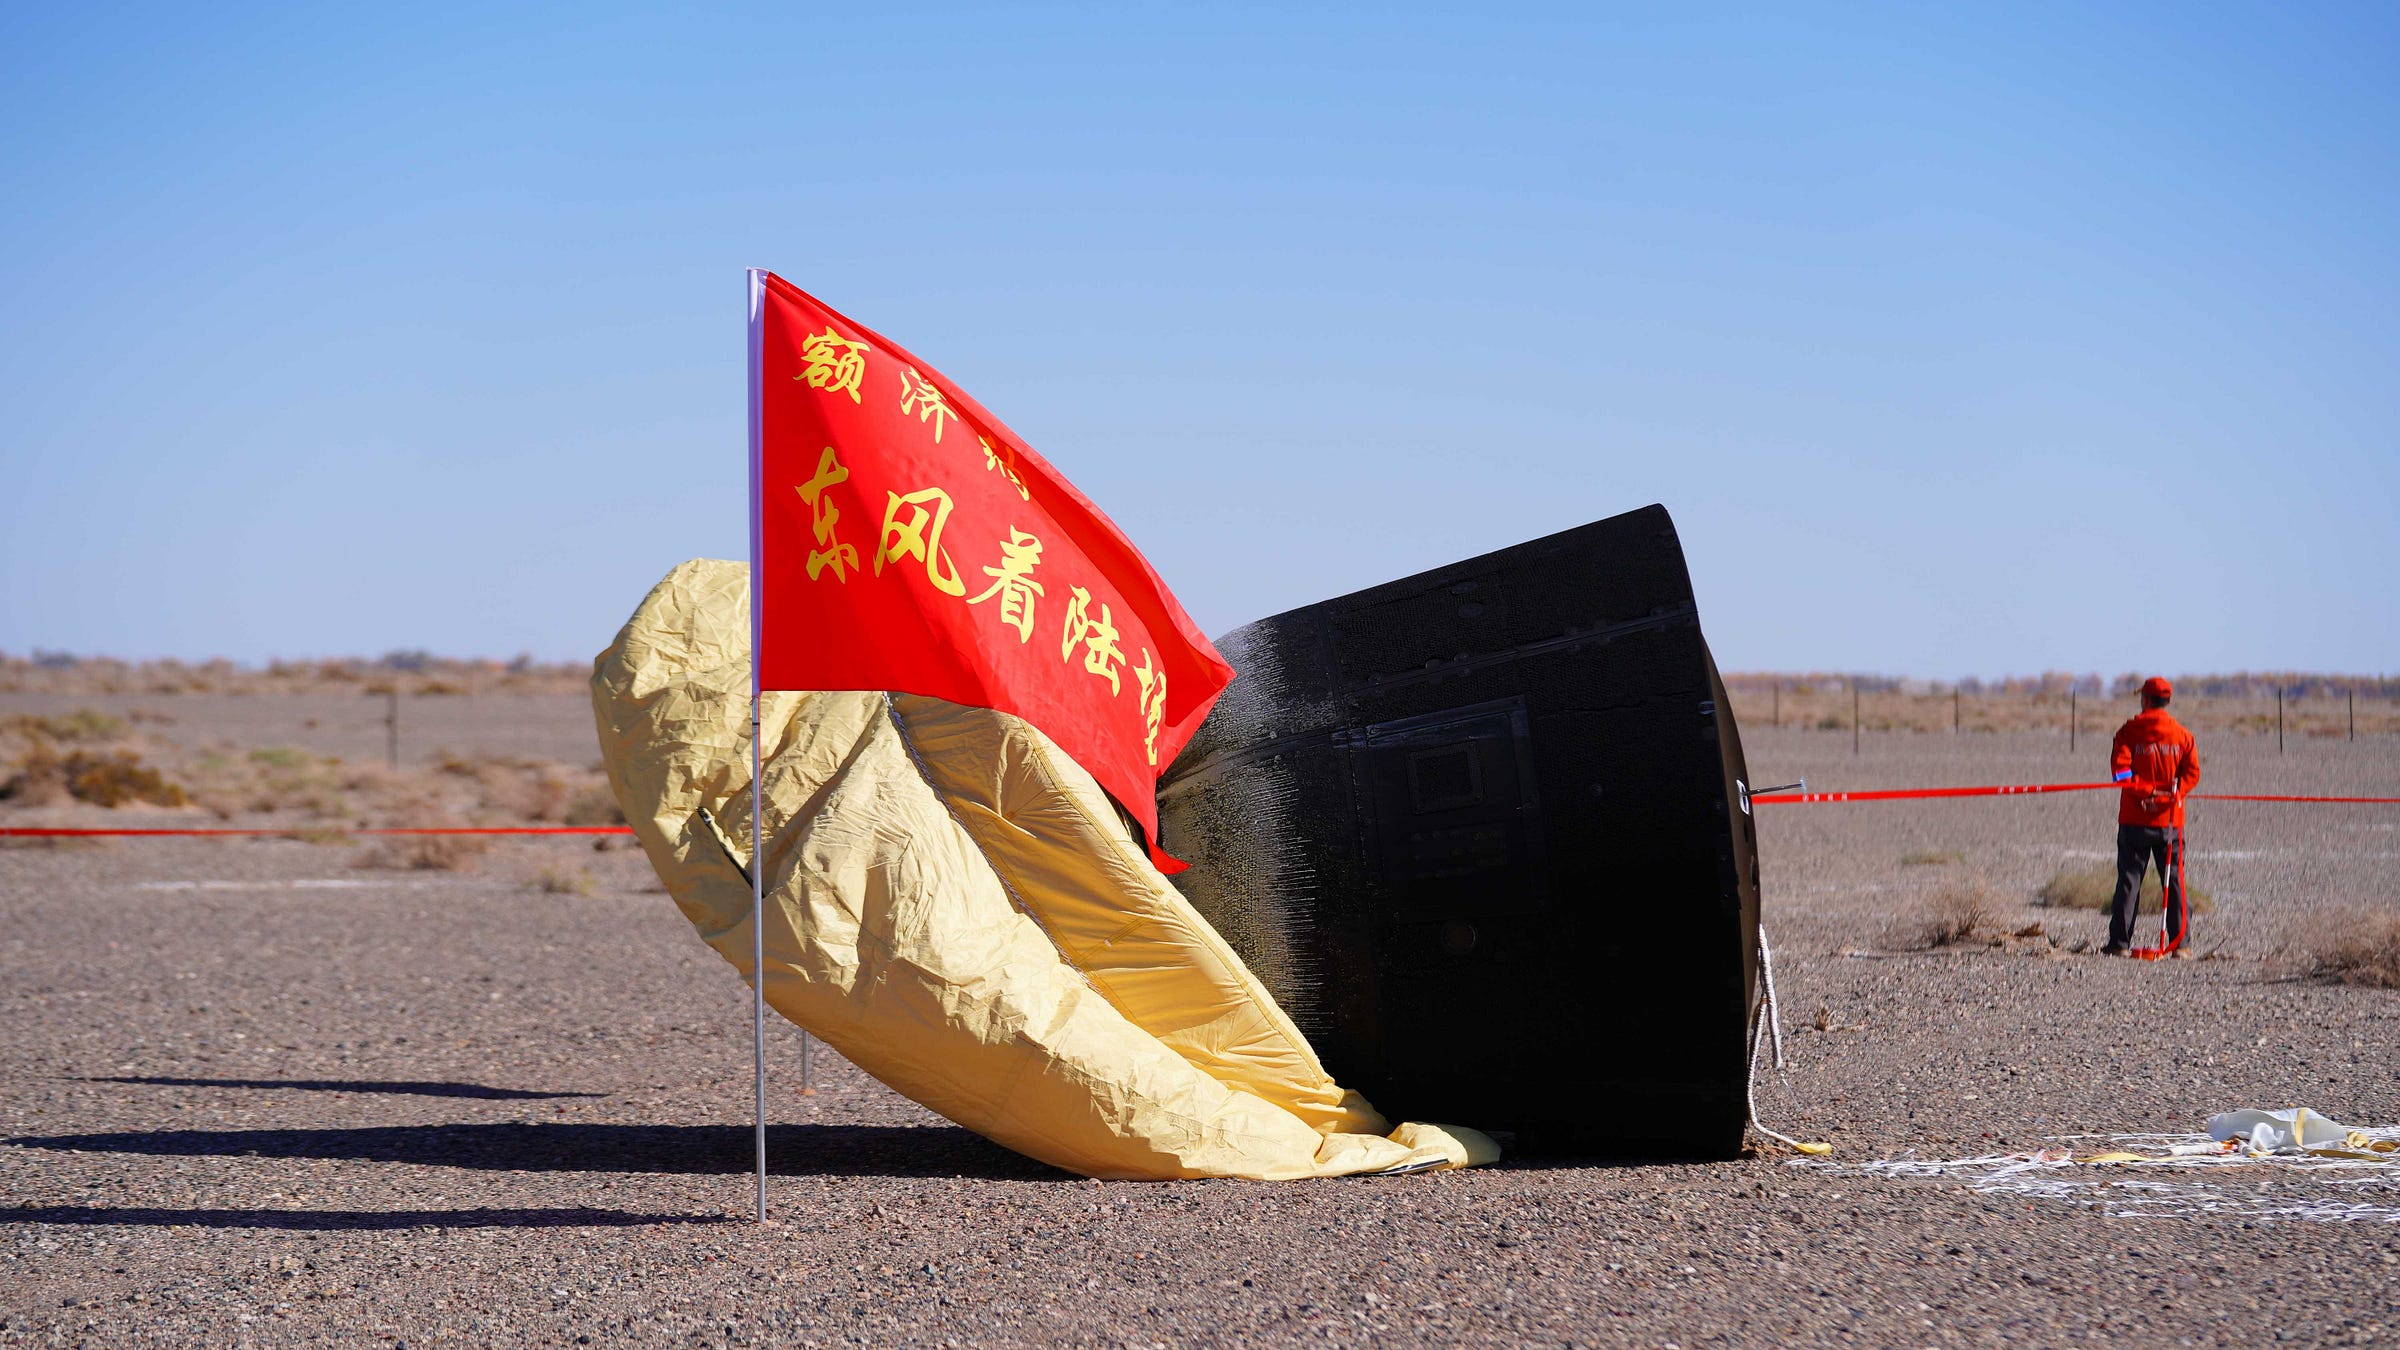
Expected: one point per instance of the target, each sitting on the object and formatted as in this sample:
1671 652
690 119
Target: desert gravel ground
256 1095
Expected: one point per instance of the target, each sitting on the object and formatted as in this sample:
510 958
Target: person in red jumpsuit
2159 764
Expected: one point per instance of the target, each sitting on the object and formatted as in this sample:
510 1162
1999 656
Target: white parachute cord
1766 966
1771 1024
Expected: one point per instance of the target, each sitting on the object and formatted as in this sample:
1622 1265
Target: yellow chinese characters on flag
908 541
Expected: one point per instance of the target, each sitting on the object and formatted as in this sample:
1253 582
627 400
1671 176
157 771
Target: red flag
903 539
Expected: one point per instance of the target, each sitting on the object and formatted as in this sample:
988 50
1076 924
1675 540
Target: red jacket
2163 762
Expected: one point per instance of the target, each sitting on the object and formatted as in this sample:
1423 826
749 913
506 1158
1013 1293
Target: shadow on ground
408 1087
792 1150
327 1220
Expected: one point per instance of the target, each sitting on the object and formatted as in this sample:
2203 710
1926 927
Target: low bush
83 724
515 789
114 780
526 796
268 781
2095 887
1959 912
424 853
50 842
2347 946
595 806
565 881
40 778
44 776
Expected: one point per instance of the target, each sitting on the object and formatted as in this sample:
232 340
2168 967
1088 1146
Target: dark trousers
2140 847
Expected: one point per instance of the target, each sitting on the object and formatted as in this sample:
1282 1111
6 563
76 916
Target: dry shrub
49 841
2347 946
373 780
530 796
40 779
1959 912
114 780
292 784
268 780
83 724
424 853
565 881
101 779
595 806
1929 857
2094 887
513 789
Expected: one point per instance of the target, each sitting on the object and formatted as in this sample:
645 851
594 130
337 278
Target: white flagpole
758 846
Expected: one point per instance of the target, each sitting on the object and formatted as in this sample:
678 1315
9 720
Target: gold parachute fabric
952 903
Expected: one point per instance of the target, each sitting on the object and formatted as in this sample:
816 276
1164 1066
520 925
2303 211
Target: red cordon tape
46 833
2021 789
1903 794
2254 797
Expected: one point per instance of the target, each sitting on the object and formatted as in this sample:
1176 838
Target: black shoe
2112 949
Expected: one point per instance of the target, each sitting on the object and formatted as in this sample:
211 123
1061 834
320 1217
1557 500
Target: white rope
1766 966
1769 1025
2176 1184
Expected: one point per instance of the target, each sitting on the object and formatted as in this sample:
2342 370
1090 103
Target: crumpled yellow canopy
953 905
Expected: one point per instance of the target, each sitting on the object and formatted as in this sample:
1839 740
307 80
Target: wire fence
2306 709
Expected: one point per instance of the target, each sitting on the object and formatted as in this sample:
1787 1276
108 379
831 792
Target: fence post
2071 719
1954 710
1854 717
2354 714
1779 705
2279 720
391 723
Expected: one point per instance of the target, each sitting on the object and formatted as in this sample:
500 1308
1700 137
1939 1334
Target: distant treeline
2060 683
414 672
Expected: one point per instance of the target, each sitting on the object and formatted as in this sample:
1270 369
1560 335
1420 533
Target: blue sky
1958 342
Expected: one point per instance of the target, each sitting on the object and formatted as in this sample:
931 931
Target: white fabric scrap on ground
2275 1131
2247 1166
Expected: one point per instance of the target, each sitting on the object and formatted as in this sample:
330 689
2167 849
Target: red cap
2157 687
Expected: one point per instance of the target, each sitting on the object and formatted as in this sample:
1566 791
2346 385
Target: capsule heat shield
1481 830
